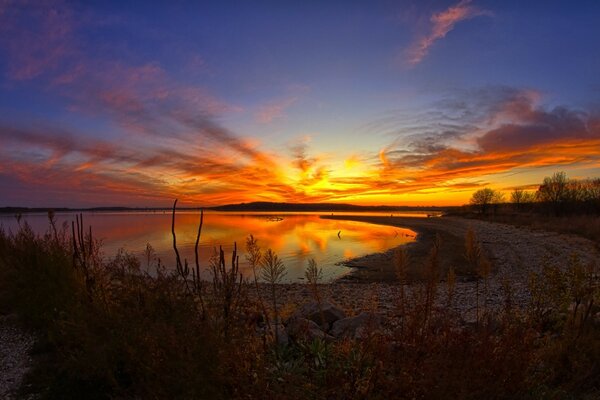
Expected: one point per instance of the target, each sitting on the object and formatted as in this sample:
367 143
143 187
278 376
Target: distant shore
249 207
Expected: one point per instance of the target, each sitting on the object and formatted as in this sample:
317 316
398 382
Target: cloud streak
441 24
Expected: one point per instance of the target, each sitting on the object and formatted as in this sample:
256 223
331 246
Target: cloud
441 24
134 170
504 129
539 128
274 110
311 171
38 38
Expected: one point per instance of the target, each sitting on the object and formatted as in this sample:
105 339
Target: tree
519 197
485 197
554 190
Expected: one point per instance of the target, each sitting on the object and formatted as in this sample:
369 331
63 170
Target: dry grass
587 226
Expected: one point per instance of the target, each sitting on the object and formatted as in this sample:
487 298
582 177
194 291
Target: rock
305 329
279 333
324 315
356 327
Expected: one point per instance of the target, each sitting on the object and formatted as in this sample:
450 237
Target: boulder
324 314
356 327
282 338
305 329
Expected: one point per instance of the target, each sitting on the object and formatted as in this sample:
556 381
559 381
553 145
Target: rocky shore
515 253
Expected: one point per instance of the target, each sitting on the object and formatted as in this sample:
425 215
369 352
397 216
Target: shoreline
378 267
515 253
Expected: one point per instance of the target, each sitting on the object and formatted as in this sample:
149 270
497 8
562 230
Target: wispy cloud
502 129
38 38
53 159
275 109
441 24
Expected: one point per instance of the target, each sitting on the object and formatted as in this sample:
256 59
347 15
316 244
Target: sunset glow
398 103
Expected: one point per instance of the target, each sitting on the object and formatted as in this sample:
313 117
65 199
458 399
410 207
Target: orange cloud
442 23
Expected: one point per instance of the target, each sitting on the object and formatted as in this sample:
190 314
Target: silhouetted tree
520 197
554 191
483 198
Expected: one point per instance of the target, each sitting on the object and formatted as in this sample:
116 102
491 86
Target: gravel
15 345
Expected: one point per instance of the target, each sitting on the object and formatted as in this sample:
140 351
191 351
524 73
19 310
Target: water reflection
295 237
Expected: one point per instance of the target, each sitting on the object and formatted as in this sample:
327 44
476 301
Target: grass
587 226
111 329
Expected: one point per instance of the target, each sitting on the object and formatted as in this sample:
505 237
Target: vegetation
486 197
112 329
556 195
559 204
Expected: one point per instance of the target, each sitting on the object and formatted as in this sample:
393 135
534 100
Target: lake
295 237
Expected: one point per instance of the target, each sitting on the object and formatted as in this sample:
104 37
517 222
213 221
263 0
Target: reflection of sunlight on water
294 237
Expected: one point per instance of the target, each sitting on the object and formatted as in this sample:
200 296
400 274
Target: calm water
295 237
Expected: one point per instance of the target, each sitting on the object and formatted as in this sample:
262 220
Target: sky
370 102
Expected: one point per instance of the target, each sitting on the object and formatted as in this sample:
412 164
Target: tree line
557 194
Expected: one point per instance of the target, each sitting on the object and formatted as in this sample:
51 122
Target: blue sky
363 102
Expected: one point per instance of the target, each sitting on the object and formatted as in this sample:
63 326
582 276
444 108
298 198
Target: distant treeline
557 194
254 206
269 206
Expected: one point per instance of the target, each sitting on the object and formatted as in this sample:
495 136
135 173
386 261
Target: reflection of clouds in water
296 238
348 253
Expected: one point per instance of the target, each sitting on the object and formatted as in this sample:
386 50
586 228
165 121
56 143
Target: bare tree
519 197
554 191
485 197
